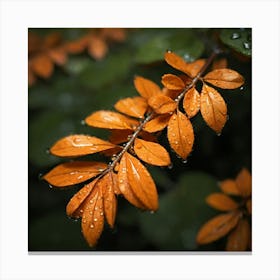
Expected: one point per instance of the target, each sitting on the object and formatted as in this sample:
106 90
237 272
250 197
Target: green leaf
181 213
239 39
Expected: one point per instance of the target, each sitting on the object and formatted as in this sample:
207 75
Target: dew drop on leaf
235 36
170 166
247 45
50 186
83 122
184 161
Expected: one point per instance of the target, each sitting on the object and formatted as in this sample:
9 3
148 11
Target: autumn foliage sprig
133 140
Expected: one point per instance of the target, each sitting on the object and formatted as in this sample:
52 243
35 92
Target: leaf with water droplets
224 78
136 183
191 102
74 207
71 173
239 238
145 87
157 124
229 186
221 202
217 227
79 145
172 82
110 120
177 62
132 106
213 108
180 134
244 182
152 153
93 218
162 104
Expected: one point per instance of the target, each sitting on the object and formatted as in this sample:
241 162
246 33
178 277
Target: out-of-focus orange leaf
180 134
146 88
224 78
74 207
157 124
58 55
114 34
217 227
77 46
97 47
244 182
177 62
133 176
93 214
172 82
71 173
213 108
221 202
132 106
151 153
191 102
79 145
228 186
162 104
51 40
109 198
239 238
110 120
219 63
249 206
42 65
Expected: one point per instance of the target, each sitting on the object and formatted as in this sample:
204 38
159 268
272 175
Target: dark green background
58 105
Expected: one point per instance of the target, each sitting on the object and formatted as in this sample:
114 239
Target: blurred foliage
83 85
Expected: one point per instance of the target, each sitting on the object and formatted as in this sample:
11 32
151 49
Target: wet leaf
162 104
79 145
42 65
229 186
220 63
71 173
238 239
221 202
157 124
191 102
110 120
151 153
244 182
172 82
180 134
217 227
224 78
213 108
145 87
136 183
132 106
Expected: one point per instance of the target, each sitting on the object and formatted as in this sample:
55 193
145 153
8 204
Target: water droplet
91 201
40 176
91 226
83 122
84 221
80 177
247 45
235 35
176 99
101 213
96 208
48 151
176 142
50 186
184 161
95 219
170 166
121 181
241 88
90 212
152 212
219 134
81 211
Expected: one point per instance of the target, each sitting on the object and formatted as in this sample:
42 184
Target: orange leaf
177 62
228 186
172 82
77 46
217 227
221 202
119 136
224 78
136 182
180 134
58 55
93 215
97 48
157 124
71 173
109 198
219 63
74 207
146 88
132 106
151 153
162 104
79 145
244 182
213 108
249 206
239 238
191 102
52 40
42 65
110 120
